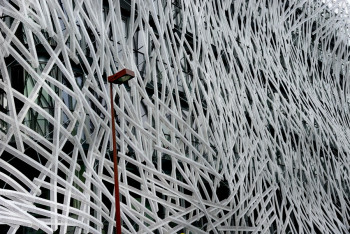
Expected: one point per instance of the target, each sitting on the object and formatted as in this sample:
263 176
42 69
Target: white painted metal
237 120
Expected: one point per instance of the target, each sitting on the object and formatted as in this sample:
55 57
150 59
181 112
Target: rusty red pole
119 78
115 160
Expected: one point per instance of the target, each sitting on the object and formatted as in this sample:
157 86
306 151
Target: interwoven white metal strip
237 120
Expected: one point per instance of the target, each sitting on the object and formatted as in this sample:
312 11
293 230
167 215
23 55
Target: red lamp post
118 78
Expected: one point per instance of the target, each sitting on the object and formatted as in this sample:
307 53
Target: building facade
237 120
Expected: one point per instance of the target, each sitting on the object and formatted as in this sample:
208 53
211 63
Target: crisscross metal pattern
237 120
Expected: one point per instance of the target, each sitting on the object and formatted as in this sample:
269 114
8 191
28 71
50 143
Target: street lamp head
121 77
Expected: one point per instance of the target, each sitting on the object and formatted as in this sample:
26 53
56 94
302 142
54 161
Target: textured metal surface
237 120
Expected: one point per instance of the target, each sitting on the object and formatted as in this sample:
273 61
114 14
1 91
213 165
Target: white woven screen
237 120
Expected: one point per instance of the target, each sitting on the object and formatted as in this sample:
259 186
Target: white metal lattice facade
237 120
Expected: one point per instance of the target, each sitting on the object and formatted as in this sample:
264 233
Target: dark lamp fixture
121 76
